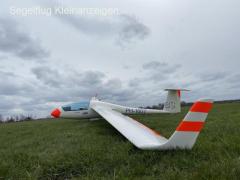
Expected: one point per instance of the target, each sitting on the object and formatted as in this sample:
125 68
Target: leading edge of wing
140 135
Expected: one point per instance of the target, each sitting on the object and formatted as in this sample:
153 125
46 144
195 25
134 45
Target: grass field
82 149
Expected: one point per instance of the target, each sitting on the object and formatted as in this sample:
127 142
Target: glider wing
137 133
143 137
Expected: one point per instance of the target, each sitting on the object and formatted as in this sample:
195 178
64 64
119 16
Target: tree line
16 118
183 103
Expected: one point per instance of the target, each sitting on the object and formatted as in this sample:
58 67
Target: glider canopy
84 105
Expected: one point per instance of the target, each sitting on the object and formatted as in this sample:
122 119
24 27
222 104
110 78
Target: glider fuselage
83 110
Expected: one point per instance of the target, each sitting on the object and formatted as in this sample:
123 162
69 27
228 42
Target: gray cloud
56 78
47 75
80 85
212 76
12 84
160 71
132 30
15 92
135 82
124 29
161 66
88 78
15 40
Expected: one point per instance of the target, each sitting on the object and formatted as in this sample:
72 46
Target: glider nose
56 113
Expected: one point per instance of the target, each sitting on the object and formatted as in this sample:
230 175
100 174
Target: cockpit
76 106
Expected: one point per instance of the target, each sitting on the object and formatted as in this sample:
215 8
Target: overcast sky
128 57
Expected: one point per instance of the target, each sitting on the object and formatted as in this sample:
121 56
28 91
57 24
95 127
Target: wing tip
208 100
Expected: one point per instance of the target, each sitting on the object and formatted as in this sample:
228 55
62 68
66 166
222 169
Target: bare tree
1 118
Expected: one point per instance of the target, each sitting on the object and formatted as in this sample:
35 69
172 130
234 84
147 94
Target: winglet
188 130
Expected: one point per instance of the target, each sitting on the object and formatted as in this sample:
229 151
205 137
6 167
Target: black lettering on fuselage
170 105
134 111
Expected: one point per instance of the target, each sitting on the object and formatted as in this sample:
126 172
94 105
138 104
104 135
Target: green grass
82 149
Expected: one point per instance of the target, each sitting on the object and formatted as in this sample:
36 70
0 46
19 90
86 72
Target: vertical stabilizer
173 102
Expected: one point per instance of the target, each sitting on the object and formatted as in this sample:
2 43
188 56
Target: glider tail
173 102
188 130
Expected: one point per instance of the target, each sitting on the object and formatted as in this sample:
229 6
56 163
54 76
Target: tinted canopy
76 106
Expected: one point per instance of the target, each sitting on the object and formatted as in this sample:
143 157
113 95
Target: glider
138 134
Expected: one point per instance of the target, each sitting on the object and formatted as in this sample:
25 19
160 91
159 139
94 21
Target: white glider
140 135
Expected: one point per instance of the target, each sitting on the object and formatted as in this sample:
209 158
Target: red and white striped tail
188 130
